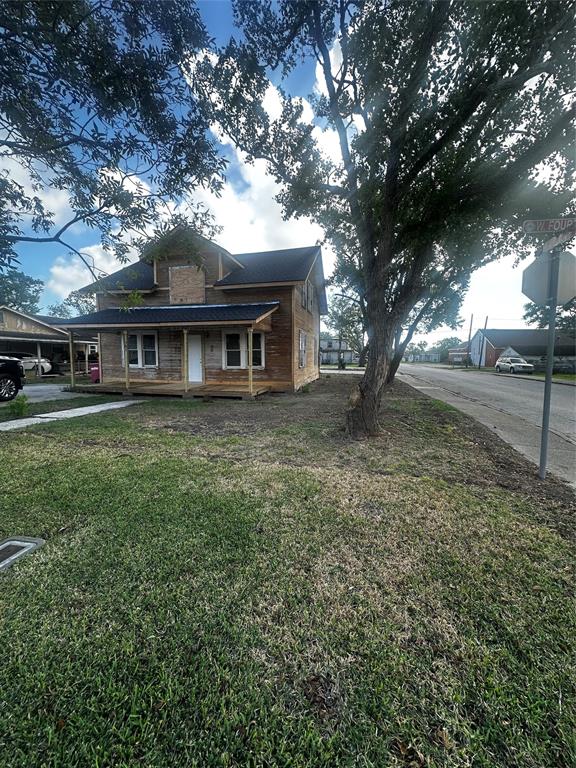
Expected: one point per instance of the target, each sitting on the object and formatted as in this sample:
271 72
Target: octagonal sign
535 279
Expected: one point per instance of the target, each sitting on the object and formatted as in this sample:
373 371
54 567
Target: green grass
237 584
50 406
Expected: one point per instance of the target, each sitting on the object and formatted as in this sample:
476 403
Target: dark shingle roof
178 314
284 266
135 277
530 341
49 320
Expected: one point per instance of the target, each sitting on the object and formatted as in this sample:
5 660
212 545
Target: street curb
532 378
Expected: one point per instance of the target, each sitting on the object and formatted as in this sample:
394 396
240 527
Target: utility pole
482 344
468 360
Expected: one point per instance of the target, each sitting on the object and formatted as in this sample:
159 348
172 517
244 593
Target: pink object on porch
94 373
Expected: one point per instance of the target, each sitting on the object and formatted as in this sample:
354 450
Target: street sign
536 279
548 226
554 242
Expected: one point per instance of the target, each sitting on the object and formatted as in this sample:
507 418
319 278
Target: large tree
94 109
76 303
535 314
443 113
20 291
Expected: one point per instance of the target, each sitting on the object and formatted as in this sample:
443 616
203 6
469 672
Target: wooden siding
13 321
169 358
308 322
278 363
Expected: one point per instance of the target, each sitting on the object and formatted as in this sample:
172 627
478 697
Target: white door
195 359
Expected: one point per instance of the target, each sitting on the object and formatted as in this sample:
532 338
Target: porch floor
173 389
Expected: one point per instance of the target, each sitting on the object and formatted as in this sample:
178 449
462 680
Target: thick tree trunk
363 356
364 407
394 365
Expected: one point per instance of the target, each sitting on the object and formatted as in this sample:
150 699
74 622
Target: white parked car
29 362
513 365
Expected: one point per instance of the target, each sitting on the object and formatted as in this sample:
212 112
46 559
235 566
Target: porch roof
174 315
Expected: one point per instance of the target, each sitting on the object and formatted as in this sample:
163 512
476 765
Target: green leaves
94 101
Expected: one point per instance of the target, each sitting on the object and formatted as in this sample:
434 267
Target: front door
195 359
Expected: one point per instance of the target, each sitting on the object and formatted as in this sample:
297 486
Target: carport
31 334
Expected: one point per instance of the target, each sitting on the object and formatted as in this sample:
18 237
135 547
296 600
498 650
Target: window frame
302 348
140 349
243 350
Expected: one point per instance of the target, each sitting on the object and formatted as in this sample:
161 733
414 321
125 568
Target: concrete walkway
44 418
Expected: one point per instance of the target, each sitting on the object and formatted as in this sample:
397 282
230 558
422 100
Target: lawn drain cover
14 548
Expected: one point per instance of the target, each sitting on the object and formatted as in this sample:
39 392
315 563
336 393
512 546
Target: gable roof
138 276
284 266
175 314
529 341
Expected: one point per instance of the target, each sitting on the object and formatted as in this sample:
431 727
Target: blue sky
252 220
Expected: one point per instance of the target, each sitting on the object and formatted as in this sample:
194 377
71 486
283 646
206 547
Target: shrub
19 406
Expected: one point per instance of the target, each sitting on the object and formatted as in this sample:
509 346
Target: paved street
511 406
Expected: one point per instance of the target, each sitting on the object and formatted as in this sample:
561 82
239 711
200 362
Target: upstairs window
302 348
303 295
309 296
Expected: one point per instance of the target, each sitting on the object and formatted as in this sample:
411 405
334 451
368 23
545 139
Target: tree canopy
20 291
94 107
76 303
534 314
443 113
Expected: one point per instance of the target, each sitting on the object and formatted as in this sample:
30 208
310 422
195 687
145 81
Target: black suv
11 378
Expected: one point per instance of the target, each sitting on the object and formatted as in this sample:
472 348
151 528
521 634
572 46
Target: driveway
38 393
511 406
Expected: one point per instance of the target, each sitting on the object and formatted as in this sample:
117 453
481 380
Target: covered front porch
185 353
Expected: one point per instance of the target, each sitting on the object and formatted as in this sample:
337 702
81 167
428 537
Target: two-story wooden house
209 322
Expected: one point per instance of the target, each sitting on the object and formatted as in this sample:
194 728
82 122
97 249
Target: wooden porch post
86 364
126 361
71 353
250 347
185 358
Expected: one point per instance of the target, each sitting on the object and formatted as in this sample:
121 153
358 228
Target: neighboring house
209 322
42 336
332 350
488 345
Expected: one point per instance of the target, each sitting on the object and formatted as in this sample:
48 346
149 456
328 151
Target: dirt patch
322 695
422 437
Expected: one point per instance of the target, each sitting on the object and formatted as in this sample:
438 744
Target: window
235 350
133 356
257 350
302 349
303 295
1 318
149 350
142 350
309 296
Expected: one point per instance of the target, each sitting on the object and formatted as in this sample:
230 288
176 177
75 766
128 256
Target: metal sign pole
552 299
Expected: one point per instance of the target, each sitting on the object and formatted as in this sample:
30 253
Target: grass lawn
49 406
237 584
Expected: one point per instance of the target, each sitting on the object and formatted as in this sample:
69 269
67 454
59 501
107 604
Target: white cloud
68 273
54 200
